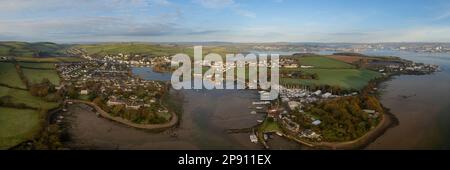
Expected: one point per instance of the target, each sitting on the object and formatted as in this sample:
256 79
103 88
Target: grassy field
17 125
331 72
130 48
344 78
23 96
9 75
24 49
349 59
36 75
324 62
150 49
48 60
38 65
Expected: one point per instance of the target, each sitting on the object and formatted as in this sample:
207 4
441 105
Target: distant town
349 47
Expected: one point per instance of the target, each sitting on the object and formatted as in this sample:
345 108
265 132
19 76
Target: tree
373 104
42 89
118 110
72 92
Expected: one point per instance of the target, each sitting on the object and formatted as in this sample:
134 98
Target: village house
84 92
306 67
310 134
292 65
293 105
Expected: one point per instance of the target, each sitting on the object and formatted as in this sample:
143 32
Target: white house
326 95
253 138
293 105
317 123
307 66
84 92
291 65
318 92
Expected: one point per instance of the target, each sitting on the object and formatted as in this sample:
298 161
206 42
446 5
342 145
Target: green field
23 96
150 49
48 60
323 62
36 75
331 72
38 65
344 78
9 75
131 48
17 125
24 49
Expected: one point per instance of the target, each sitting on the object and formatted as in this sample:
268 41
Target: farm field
331 72
344 78
36 75
48 60
17 125
136 48
24 49
9 75
324 62
38 65
151 49
349 59
23 96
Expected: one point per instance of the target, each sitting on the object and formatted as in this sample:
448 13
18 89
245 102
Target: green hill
25 49
149 49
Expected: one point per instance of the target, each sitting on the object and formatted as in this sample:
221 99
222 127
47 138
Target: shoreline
173 121
389 120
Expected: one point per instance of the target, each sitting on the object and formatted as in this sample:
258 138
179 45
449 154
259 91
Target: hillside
25 49
149 49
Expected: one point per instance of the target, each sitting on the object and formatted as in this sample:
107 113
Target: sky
355 21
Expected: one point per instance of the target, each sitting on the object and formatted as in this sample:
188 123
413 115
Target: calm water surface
425 114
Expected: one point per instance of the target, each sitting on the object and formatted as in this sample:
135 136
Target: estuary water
421 103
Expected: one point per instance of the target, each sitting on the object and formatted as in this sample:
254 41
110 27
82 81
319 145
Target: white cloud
36 20
80 5
68 19
87 28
